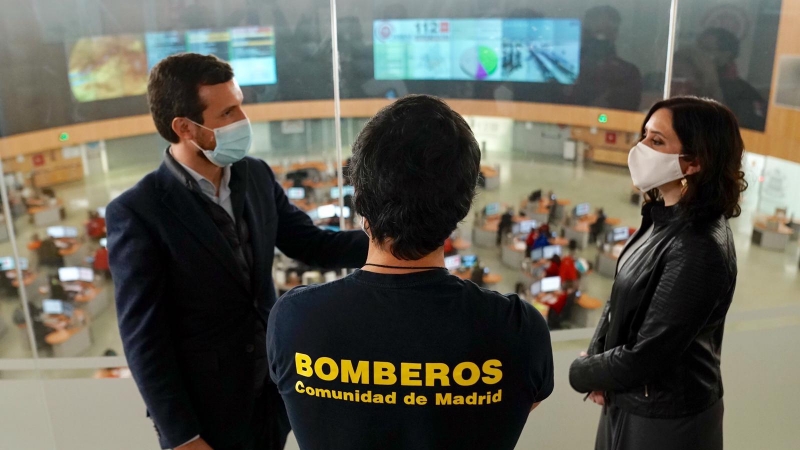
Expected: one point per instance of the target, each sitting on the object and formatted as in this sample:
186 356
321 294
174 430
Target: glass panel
726 51
84 62
16 325
490 61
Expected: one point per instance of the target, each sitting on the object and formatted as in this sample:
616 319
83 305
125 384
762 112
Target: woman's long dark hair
709 133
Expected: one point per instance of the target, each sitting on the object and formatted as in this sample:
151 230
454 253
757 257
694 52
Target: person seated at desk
56 289
40 330
35 243
95 226
530 240
543 237
403 325
554 268
568 272
535 196
49 254
476 276
596 229
561 309
100 262
505 225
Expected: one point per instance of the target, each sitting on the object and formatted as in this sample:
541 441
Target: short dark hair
173 88
708 132
415 169
726 41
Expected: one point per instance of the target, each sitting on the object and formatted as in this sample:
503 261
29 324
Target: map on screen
107 67
526 50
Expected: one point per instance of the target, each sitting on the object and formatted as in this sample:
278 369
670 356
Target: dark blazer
192 328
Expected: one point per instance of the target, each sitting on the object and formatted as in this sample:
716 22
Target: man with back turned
401 354
191 249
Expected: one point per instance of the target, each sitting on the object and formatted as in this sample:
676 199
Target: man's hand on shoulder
197 444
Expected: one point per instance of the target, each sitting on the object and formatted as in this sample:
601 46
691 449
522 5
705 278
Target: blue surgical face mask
233 143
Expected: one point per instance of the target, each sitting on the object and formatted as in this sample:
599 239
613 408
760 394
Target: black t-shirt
415 361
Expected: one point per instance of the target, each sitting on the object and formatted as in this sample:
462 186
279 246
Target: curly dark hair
173 88
414 170
709 132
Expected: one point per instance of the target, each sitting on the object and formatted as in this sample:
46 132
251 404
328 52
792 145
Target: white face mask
651 169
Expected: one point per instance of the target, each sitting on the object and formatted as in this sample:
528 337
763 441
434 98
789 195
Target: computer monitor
492 209
469 261
582 210
53 306
101 211
326 212
620 234
551 284
348 190
67 274
550 251
62 232
537 254
296 193
452 262
86 274
330 228
526 226
536 288
104 242
7 263
346 212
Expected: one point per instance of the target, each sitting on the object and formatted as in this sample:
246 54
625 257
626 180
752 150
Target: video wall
107 67
526 50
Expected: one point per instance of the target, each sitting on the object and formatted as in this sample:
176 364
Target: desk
587 311
581 231
513 254
607 265
73 256
69 342
562 242
771 238
488 278
42 216
485 236
93 300
491 177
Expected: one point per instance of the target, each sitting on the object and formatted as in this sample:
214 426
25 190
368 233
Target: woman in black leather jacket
654 361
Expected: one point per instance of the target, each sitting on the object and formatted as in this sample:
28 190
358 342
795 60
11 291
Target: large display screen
528 50
106 67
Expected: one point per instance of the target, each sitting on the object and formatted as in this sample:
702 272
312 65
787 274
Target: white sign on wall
781 187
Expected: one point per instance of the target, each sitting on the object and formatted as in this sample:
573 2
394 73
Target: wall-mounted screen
529 50
106 67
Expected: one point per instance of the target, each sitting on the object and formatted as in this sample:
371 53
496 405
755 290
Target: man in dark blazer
191 248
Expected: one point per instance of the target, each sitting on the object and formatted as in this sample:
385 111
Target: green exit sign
63 137
602 118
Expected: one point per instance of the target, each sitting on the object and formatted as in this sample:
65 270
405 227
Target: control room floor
766 279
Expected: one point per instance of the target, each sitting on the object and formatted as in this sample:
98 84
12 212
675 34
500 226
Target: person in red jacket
568 272
100 263
554 269
96 226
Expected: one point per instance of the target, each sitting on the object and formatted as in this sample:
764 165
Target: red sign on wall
611 138
38 160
